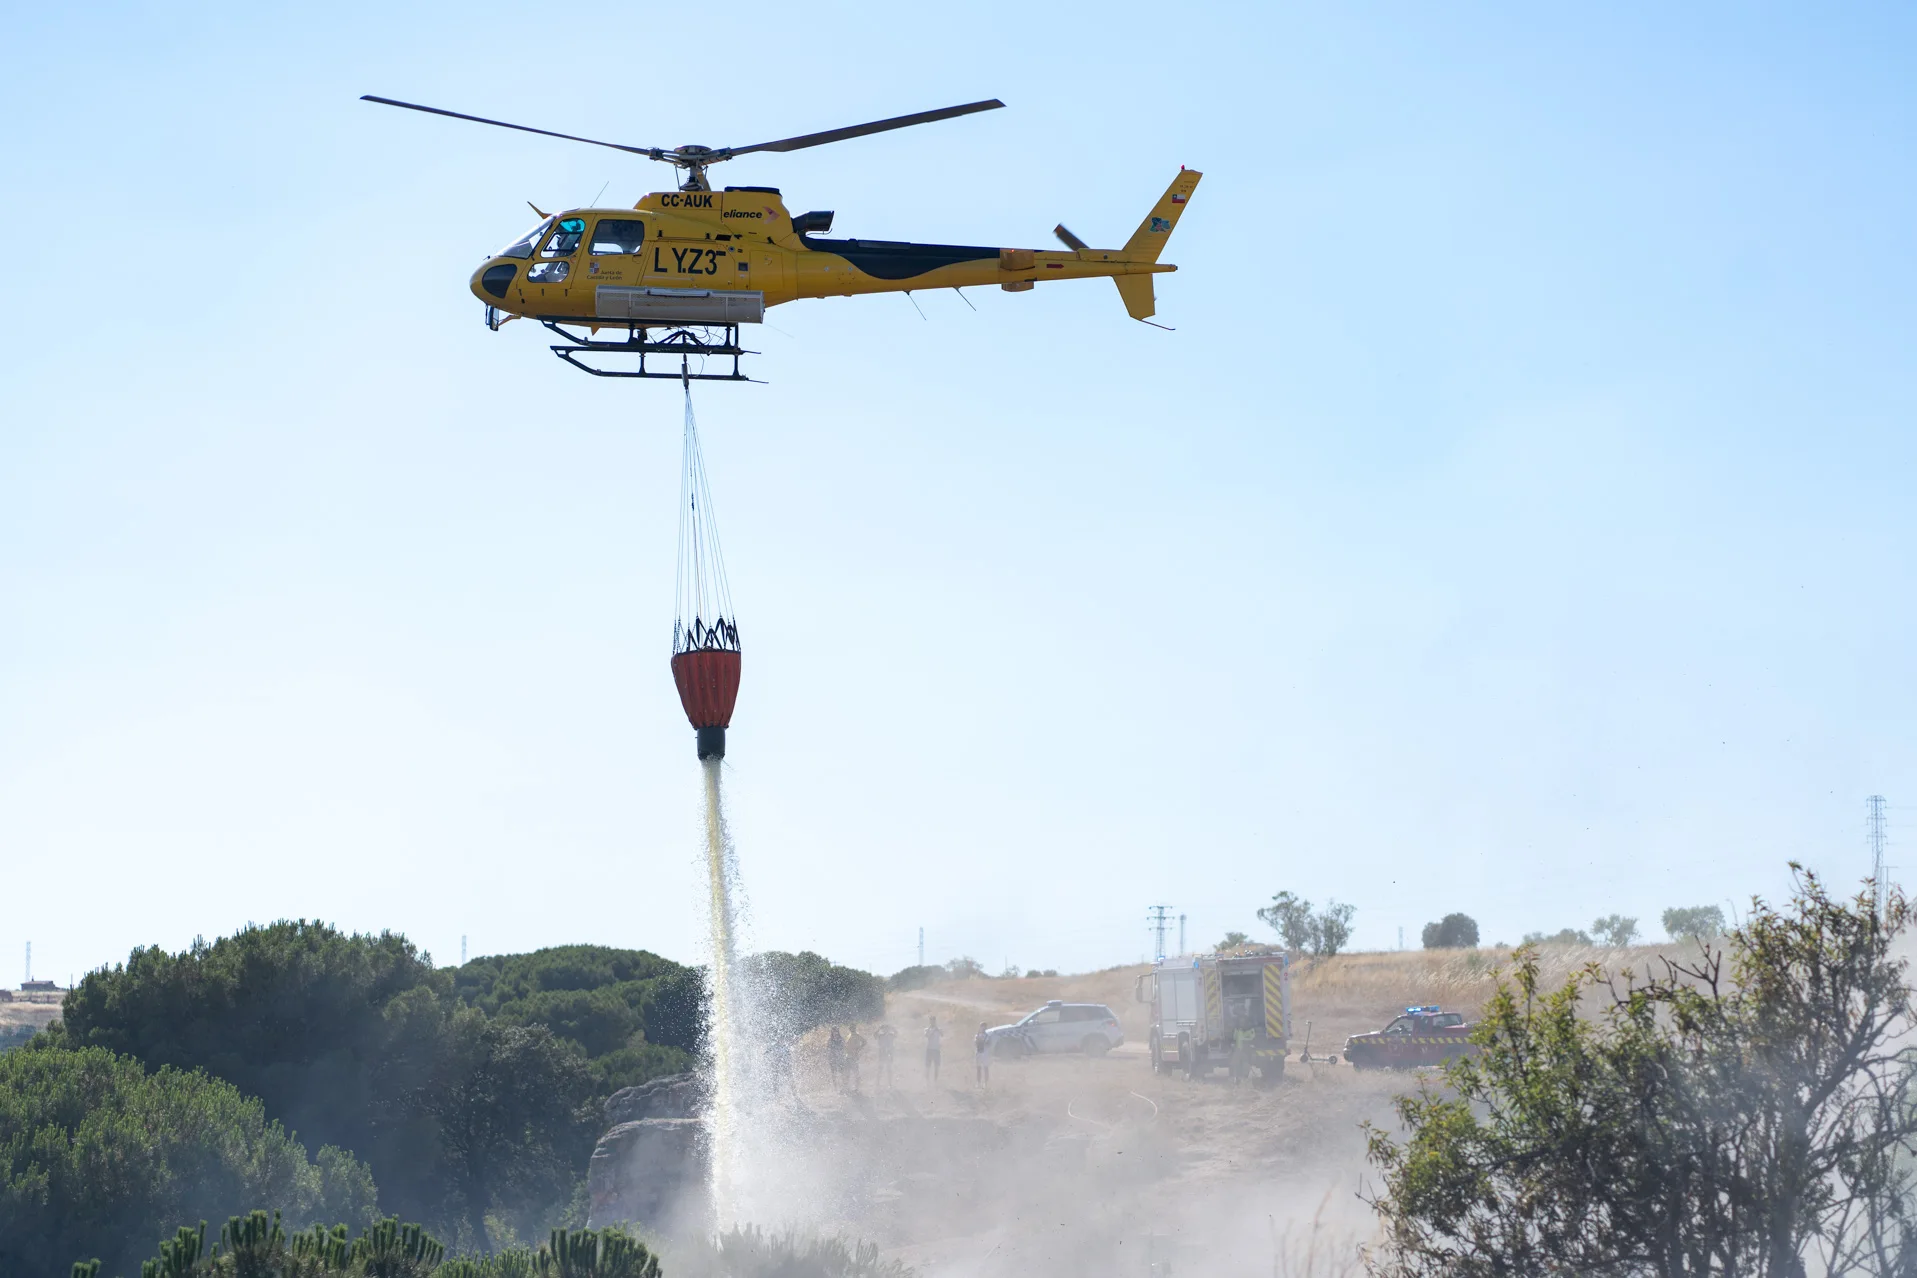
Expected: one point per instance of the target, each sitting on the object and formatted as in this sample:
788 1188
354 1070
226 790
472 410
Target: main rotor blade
860 130
480 119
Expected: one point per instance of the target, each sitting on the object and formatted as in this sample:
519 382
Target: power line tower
29 960
462 949
1157 918
1181 935
921 947
1874 832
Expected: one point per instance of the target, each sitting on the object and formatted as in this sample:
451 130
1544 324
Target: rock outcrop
649 1169
673 1096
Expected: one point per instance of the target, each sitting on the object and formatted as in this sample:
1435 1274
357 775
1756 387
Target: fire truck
1422 1036
1213 1011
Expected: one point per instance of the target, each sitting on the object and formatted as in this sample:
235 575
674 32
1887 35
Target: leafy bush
1563 936
1290 917
753 1253
97 1156
914 978
357 1041
596 996
1750 1114
1323 933
637 1062
1695 923
257 1247
1452 932
799 991
1615 930
1232 941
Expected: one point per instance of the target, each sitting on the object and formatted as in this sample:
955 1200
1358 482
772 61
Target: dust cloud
1064 1165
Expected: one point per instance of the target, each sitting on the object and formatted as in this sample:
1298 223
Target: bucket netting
703 620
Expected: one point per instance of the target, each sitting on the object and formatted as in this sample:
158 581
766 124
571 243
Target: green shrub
256 1246
1452 932
597 996
97 1156
12 1036
914 978
1563 936
1694 923
358 1042
799 991
754 1253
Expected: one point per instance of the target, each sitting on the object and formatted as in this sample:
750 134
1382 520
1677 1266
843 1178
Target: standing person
1241 1056
854 1048
835 1059
934 1036
885 1037
982 1054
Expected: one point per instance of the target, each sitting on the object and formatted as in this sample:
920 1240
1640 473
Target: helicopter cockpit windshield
565 239
523 246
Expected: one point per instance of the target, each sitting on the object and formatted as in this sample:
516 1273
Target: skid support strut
679 343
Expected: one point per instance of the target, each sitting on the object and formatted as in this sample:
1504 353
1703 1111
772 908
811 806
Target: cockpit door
550 273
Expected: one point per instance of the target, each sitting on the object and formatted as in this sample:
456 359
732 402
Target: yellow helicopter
696 263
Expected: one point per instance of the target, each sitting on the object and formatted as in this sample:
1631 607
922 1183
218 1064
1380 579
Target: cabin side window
548 272
617 235
565 238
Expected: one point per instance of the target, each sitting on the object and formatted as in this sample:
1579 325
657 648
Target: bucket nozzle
712 743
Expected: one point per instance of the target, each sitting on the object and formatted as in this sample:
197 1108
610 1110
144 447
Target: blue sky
1518 520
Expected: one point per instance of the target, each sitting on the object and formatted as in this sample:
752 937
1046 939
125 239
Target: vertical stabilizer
1148 241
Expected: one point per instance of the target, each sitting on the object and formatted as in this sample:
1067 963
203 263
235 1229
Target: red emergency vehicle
1422 1036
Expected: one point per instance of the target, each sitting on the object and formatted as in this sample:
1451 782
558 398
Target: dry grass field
20 1020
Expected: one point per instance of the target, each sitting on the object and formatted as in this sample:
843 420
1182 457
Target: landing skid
682 343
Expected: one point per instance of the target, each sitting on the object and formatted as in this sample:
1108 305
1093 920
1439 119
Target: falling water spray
725 1029
705 666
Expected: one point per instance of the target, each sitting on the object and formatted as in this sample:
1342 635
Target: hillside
20 1021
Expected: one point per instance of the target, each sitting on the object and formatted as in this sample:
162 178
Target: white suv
1091 1028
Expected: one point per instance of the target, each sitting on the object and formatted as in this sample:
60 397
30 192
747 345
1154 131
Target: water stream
726 1012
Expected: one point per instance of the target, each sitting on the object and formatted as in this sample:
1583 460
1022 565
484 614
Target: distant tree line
1614 931
963 968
